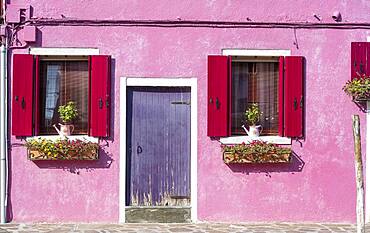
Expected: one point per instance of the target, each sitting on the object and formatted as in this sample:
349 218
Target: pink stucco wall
319 187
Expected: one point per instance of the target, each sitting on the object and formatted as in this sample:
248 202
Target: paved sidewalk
170 228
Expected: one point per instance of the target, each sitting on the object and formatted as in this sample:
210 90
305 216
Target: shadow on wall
105 160
296 165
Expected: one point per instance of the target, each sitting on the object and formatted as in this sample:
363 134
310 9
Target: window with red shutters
54 81
274 83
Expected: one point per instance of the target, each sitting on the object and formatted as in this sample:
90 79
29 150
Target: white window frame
261 53
64 52
126 82
367 161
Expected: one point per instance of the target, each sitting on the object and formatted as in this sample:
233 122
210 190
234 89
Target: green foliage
256 151
68 112
252 114
358 88
62 149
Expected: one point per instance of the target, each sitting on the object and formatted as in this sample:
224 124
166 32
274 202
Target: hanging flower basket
358 88
256 152
62 149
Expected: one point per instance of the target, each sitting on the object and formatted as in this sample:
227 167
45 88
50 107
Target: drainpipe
3 125
3 132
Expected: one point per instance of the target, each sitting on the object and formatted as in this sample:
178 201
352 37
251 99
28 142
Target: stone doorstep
158 214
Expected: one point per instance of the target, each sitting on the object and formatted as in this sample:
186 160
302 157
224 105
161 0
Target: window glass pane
61 82
255 82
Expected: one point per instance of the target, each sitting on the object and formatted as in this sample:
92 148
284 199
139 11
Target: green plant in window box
67 113
61 149
358 88
252 116
256 152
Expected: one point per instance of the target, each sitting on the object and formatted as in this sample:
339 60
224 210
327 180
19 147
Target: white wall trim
246 139
256 52
155 82
64 51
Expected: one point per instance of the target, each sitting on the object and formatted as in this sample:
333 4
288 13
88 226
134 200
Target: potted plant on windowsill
252 116
358 88
61 149
256 152
67 114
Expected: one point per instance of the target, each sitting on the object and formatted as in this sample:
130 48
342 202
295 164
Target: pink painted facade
320 187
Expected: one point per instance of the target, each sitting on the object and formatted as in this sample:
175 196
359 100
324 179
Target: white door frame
159 82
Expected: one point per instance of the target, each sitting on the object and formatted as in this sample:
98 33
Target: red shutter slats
360 63
293 96
22 97
281 96
218 96
99 114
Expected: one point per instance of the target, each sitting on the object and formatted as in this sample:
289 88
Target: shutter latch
217 103
23 104
301 102
295 104
100 103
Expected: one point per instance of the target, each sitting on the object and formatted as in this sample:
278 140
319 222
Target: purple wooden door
158 146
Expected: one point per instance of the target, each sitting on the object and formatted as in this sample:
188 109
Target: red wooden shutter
293 96
360 60
219 96
22 98
99 112
281 96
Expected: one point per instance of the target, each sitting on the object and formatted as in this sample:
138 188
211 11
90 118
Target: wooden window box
35 155
231 158
61 149
256 152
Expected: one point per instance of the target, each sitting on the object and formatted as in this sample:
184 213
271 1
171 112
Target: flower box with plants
358 88
256 152
61 149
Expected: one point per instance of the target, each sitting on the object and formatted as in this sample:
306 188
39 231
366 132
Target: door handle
139 150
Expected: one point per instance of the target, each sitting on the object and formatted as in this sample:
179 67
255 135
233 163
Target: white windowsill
246 139
72 137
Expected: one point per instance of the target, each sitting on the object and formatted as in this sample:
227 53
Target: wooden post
359 175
